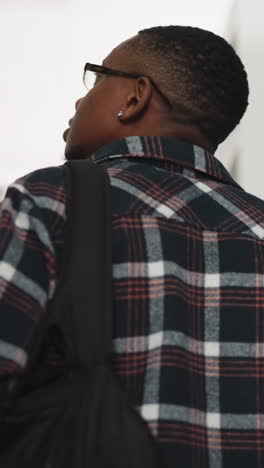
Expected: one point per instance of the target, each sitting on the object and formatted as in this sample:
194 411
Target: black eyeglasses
90 79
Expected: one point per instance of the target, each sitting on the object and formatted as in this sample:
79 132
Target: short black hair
199 72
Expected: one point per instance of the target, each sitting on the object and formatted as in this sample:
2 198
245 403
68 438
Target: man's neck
190 134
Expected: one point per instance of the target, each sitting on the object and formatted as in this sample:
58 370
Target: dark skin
144 112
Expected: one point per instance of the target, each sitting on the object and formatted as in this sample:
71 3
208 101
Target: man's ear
138 99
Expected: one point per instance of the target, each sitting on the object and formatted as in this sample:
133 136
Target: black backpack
80 419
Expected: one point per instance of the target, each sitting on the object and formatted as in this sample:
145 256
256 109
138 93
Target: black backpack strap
90 259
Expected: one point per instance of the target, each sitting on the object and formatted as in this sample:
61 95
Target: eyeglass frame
112 72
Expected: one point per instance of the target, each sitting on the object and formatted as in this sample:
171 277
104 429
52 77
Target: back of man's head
198 71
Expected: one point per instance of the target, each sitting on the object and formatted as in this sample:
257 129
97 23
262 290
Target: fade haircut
198 71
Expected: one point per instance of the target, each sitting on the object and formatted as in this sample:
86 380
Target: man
188 282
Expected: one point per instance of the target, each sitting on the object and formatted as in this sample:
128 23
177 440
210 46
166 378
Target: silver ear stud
120 113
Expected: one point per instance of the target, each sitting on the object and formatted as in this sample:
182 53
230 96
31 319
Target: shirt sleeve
32 218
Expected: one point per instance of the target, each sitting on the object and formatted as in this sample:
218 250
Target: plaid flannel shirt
188 294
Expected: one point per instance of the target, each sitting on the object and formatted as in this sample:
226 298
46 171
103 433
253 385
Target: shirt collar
169 149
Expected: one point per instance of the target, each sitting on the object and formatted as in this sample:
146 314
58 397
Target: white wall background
244 149
43 47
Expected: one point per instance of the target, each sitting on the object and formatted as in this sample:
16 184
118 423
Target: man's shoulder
246 201
42 189
253 199
48 181
53 175
229 208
